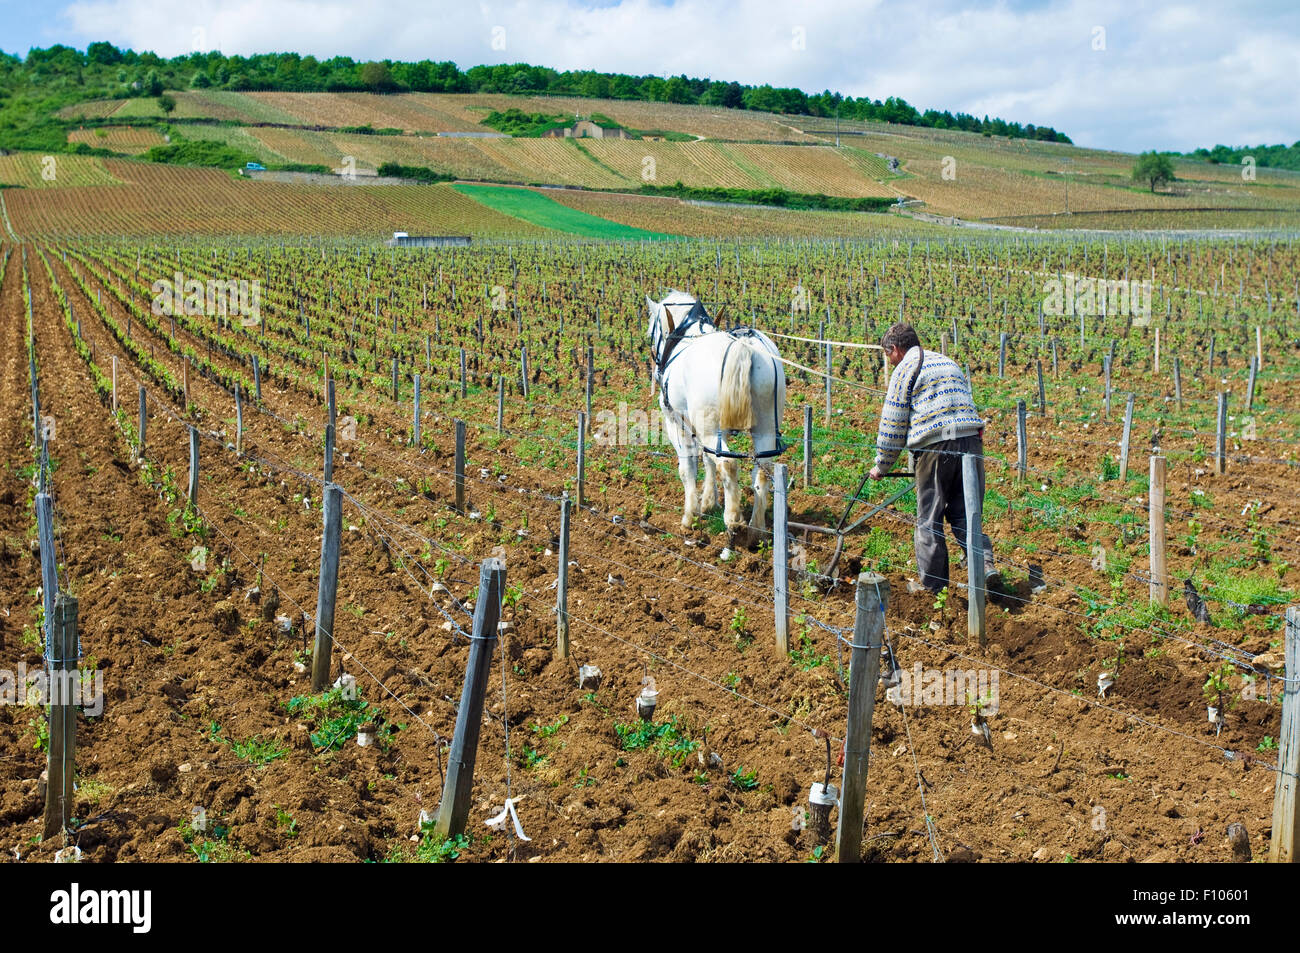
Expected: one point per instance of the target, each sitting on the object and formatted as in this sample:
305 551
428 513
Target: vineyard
126 139
1018 182
159 199
448 385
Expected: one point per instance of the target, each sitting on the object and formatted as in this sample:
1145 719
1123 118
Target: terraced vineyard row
172 200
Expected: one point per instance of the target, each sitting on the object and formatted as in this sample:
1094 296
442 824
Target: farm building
586 129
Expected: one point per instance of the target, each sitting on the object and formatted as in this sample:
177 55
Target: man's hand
875 473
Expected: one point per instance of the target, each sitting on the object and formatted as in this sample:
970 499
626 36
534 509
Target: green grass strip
542 210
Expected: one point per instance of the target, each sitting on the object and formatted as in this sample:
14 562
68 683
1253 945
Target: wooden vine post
143 419
780 557
807 446
975 580
64 678
562 585
589 383
871 598
1105 363
460 466
453 811
1284 845
193 494
49 561
1156 501
501 403
329 453
1221 437
582 458
415 422
1022 443
327 590
828 383
239 423
1124 439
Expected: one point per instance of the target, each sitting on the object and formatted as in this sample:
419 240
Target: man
928 409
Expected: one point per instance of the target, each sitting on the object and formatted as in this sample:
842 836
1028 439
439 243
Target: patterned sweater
941 407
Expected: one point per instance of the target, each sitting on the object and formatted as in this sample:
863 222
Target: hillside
938 173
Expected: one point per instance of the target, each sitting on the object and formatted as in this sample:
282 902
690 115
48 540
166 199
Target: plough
841 530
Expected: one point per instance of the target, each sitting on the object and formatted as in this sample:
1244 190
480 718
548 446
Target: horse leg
687 468
709 495
735 520
762 485
764 442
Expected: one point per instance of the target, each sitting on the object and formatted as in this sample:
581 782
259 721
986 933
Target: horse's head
656 318
678 308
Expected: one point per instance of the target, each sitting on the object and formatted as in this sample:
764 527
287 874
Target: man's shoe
993 583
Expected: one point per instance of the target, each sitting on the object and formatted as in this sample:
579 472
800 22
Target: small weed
285 821
215 849
669 739
546 731
805 656
42 729
745 780
739 628
434 849
531 758
254 750
334 719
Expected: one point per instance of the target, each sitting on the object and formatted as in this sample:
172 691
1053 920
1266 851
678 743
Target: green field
538 209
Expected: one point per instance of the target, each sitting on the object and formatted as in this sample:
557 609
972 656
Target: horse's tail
735 398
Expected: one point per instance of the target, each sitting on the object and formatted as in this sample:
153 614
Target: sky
1116 74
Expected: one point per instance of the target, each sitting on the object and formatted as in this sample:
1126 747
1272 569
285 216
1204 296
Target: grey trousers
940 495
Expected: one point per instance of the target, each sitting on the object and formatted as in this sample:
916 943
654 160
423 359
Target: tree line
103 70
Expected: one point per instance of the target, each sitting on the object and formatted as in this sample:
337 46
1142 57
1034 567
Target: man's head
898 340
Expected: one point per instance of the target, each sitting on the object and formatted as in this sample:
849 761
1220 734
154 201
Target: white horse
713 384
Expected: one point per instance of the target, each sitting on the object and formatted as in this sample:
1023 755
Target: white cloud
1169 77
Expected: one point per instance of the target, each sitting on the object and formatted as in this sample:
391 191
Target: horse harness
734 335
697 316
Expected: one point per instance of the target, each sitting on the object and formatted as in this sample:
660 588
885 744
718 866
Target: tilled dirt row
183 666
